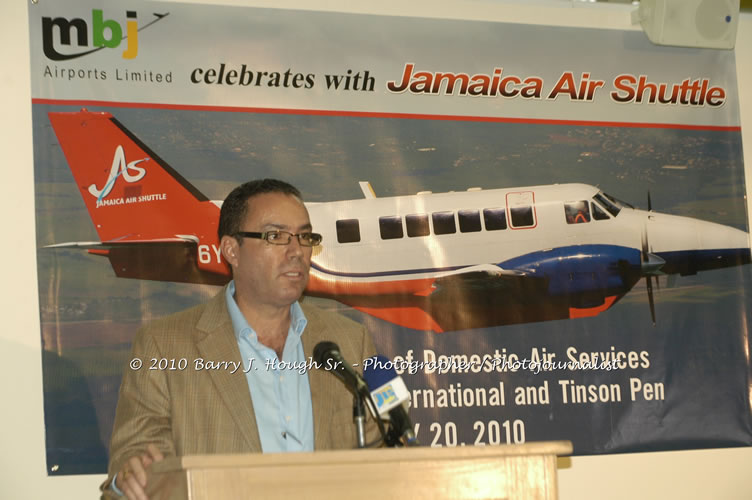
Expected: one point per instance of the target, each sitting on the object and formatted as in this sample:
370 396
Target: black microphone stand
359 416
325 352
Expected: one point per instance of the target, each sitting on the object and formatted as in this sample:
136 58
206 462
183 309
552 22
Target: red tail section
134 198
129 191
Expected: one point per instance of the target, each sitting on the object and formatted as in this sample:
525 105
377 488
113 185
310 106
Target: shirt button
281 378
288 418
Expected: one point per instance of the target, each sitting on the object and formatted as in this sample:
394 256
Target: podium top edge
542 448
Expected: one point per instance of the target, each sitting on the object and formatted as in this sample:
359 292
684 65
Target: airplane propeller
651 264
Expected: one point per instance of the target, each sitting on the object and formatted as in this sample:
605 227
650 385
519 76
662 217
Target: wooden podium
526 471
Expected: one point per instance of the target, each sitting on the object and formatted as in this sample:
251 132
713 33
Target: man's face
266 274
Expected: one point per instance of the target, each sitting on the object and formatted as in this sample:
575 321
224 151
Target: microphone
388 393
327 354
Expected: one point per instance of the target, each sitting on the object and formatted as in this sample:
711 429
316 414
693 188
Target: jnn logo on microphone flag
389 395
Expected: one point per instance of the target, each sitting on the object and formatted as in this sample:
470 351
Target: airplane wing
488 277
489 270
474 296
98 245
158 259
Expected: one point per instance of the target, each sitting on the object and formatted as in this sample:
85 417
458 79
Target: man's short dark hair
235 207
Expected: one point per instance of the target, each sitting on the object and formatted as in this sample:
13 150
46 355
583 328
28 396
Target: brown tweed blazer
192 411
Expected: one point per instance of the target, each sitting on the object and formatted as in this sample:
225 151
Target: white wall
722 474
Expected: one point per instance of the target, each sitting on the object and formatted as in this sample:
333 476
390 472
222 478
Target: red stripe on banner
370 114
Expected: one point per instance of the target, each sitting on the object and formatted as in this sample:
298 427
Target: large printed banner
544 228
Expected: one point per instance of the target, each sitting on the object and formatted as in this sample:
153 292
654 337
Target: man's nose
294 249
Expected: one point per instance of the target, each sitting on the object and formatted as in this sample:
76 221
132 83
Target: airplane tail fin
131 194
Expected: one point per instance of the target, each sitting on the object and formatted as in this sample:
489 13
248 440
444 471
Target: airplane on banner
430 261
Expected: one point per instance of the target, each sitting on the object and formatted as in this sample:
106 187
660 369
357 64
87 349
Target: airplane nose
691 245
713 236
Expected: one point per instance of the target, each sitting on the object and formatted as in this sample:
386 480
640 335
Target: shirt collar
241 327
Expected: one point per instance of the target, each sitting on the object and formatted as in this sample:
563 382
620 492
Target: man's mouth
293 274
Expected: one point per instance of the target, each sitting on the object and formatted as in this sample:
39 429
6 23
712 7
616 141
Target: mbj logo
130 172
105 33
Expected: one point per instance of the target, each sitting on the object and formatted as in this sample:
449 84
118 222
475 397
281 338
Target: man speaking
255 322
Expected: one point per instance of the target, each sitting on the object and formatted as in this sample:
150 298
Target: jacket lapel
216 342
323 384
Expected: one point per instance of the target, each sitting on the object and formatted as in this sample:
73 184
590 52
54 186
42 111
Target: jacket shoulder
353 339
178 320
202 317
329 319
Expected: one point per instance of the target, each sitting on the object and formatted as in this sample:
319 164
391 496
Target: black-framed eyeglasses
306 239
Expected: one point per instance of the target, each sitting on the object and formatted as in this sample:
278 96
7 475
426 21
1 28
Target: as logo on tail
119 166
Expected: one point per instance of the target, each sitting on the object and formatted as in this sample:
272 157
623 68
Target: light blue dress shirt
280 391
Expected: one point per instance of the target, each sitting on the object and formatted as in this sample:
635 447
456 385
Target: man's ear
229 247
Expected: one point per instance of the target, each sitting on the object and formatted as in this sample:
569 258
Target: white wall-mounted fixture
689 23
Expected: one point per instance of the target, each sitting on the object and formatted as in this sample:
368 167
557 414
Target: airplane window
522 216
469 221
577 212
495 219
611 207
417 225
390 227
443 223
619 204
348 231
598 212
